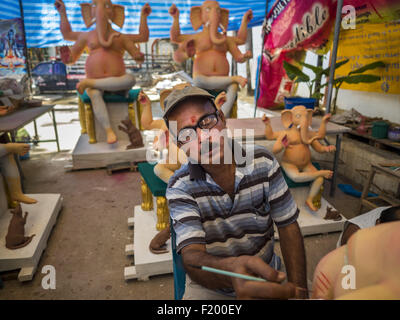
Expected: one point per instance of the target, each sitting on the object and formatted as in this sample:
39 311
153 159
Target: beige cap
178 95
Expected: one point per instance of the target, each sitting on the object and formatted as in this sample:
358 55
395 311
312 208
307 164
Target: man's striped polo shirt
203 213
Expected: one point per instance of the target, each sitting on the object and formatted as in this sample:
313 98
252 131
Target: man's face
208 146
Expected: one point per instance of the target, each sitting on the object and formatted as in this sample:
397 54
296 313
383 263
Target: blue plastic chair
178 269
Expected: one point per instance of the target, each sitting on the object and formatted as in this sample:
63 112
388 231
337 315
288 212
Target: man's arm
196 254
284 212
292 247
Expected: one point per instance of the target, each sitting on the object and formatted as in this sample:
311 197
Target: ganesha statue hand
105 68
295 141
209 48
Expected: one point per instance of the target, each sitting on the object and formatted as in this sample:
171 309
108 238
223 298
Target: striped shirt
203 213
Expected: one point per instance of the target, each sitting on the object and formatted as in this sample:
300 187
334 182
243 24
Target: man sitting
223 204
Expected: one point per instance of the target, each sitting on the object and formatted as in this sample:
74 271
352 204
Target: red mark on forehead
193 119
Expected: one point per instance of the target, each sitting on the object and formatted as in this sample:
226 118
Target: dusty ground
87 244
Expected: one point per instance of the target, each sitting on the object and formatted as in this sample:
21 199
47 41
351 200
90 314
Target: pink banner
291 25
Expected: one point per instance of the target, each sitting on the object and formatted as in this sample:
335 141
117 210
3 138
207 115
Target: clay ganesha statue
209 48
295 141
105 68
9 169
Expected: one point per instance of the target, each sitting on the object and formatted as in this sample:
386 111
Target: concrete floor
87 244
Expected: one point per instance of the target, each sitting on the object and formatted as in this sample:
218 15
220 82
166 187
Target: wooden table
387 169
18 119
259 134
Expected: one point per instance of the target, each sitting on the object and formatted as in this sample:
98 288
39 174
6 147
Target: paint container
379 129
291 102
394 133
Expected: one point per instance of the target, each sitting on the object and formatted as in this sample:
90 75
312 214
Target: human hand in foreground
270 289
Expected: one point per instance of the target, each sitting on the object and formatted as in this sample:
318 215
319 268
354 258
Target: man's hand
60 6
271 289
173 11
146 10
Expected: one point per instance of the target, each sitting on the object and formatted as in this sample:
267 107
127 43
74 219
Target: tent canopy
42 21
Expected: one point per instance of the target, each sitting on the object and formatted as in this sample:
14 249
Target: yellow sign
369 43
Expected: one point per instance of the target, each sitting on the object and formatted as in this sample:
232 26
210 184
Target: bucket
379 129
291 102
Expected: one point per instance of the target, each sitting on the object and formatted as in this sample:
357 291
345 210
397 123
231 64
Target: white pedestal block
313 222
102 154
147 263
41 219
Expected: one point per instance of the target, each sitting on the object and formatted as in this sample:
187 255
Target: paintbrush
228 273
236 275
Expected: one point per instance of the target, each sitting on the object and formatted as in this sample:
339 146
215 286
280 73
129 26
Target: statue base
146 263
41 219
102 154
313 222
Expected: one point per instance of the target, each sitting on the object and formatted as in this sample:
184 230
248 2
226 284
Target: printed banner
369 43
375 11
291 25
12 59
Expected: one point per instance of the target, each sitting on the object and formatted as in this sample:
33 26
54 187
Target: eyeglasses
189 134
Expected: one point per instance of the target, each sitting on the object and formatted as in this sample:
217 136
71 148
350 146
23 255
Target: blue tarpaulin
42 21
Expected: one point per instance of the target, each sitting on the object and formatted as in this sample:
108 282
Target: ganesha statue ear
286 118
118 15
225 18
86 10
163 95
195 17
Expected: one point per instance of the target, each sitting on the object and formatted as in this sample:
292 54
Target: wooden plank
131 221
147 263
130 273
129 250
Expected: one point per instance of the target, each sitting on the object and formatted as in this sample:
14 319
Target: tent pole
256 92
334 54
27 60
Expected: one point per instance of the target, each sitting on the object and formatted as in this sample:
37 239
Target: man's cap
177 96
